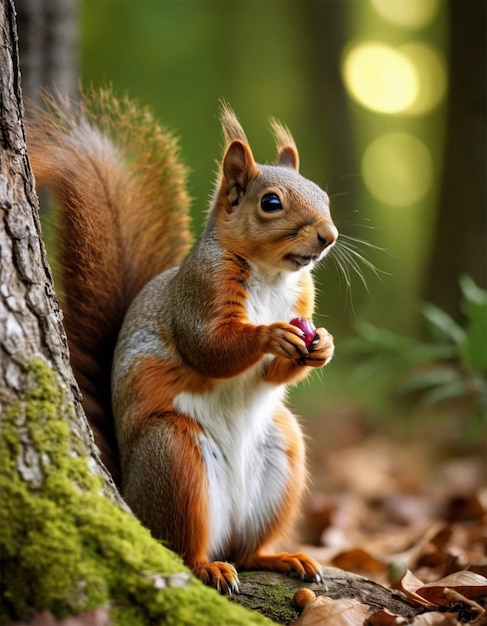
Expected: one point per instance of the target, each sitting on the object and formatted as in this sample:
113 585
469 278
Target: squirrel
195 342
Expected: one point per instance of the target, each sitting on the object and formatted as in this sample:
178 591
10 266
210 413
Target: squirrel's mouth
298 261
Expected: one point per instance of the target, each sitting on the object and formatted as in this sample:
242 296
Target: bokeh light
407 13
431 73
397 169
380 77
410 79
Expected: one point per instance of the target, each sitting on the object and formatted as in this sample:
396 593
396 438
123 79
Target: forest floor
405 510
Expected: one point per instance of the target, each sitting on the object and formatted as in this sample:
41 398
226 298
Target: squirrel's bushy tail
116 177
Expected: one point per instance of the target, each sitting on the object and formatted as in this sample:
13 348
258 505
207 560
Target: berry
308 329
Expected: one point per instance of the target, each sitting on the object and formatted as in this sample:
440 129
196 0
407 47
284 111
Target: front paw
219 574
301 564
320 352
285 340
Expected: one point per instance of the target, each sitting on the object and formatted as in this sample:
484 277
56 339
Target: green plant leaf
471 291
433 377
474 306
455 389
442 325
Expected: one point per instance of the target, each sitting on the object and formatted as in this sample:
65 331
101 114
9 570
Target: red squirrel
198 340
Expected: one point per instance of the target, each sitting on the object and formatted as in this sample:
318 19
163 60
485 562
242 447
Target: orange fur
153 385
295 454
185 523
110 240
285 372
305 299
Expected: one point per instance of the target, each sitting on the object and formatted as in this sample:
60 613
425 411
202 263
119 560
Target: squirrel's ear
238 165
288 157
287 153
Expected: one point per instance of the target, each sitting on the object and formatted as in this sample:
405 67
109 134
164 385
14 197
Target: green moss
273 600
65 547
279 604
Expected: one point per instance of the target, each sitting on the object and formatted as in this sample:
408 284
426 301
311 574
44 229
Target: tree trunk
48 46
461 233
30 321
67 541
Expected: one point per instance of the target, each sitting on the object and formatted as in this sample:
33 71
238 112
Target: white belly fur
244 451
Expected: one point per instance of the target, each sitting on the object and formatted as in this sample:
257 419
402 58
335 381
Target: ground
391 495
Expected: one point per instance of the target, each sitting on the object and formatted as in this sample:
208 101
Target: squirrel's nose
327 235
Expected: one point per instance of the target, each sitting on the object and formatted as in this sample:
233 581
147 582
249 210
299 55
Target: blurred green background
386 101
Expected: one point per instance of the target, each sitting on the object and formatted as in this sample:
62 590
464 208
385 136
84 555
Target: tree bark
30 319
273 594
48 47
67 541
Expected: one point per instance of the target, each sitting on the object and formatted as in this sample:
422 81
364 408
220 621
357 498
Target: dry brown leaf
469 606
385 618
357 559
469 584
467 549
409 584
436 619
327 612
318 511
441 535
461 508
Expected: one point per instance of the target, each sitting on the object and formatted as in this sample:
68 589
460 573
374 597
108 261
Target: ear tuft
232 129
287 152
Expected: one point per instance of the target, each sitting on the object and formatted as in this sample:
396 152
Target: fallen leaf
469 607
327 612
462 508
409 584
385 618
469 584
437 619
358 560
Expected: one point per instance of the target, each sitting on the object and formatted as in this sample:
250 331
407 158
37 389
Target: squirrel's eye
270 202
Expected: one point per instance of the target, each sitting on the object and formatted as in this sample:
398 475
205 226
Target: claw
300 564
219 574
233 587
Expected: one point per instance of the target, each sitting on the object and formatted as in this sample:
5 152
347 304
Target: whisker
356 258
351 256
343 270
349 259
336 182
339 194
363 242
